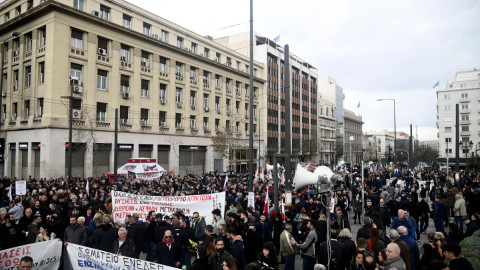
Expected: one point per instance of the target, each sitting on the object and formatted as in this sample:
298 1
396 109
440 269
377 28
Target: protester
452 253
168 252
394 261
219 256
267 258
308 247
123 246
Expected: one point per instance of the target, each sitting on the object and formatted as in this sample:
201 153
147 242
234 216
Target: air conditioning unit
123 120
102 51
207 109
96 13
126 95
163 101
77 88
180 104
155 36
74 81
123 58
144 122
76 114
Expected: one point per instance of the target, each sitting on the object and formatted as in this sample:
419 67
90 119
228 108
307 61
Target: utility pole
288 131
115 149
457 139
250 140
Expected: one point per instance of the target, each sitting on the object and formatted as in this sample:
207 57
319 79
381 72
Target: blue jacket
263 231
404 222
413 249
439 210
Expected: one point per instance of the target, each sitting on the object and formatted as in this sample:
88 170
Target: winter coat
439 210
460 208
364 231
357 205
460 264
216 261
308 247
286 249
76 235
267 263
200 264
199 228
137 234
264 231
103 237
127 249
32 233
397 264
348 251
237 249
169 256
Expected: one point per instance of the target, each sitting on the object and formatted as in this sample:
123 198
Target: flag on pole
277 39
87 189
226 182
283 210
358 106
10 192
265 209
436 84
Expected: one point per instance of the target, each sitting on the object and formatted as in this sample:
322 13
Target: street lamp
465 148
394 126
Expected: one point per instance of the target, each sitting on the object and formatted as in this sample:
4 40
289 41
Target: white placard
20 187
46 255
251 199
124 204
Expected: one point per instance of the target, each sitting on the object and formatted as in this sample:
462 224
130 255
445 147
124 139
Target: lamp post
465 148
394 126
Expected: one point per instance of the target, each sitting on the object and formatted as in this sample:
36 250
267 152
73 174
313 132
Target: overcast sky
374 49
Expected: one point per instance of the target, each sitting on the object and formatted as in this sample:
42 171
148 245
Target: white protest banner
89 258
251 199
20 187
124 204
46 255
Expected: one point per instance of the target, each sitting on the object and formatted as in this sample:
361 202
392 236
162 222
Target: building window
193 122
193 73
145 89
7 17
40 107
447 96
163 64
163 92
105 12
125 53
14 110
217 80
15 80
237 107
178 95
145 59
206 52
217 103
79 4
162 118
147 29
76 40
447 119
178 120
447 108
464 106
18 11
101 112
180 42
26 112
144 115
193 98
205 100
179 69
238 65
124 114
206 77
218 57
124 84
463 85
76 72
205 123
102 46
28 76
465 128
102 79
41 72
464 95
465 117
194 48
42 36
217 124
28 42
164 36
448 129
127 21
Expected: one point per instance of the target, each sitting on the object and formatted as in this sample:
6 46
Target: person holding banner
123 246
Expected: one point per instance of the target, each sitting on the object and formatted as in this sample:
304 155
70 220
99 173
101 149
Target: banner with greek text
89 258
46 255
124 204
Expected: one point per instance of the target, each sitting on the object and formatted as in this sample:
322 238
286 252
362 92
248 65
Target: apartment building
353 137
384 143
174 90
304 96
464 90
327 126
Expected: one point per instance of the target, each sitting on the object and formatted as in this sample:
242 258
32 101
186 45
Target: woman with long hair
357 208
229 263
44 235
358 261
374 242
267 258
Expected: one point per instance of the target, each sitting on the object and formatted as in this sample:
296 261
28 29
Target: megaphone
323 171
304 178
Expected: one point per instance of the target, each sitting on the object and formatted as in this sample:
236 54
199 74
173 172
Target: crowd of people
399 204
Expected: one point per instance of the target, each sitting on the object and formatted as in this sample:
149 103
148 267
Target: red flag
265 210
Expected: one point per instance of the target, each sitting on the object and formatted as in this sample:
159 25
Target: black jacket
237 251
127 249
364 232
460 264
103 237
349 251
337 260
137 234
168 256
200 264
